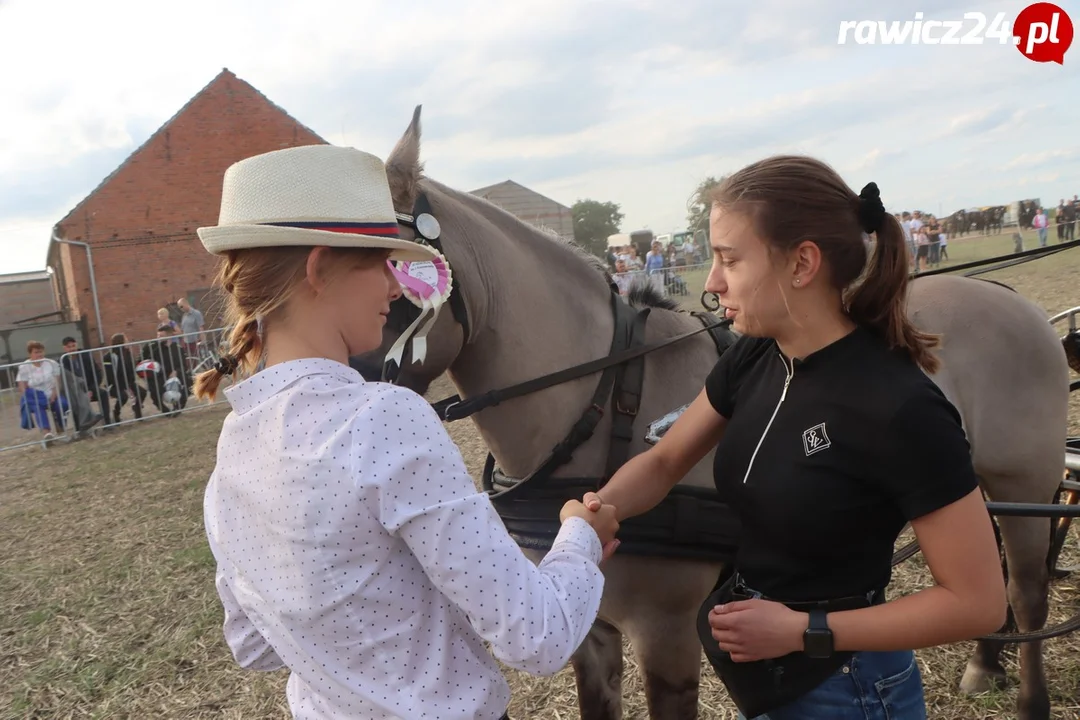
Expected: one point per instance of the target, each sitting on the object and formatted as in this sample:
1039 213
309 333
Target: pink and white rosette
427 285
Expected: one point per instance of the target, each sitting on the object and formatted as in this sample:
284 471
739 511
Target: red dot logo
1043 32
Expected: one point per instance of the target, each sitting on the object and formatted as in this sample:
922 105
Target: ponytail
790 198
879 301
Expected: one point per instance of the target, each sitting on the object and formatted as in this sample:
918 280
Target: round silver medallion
427 226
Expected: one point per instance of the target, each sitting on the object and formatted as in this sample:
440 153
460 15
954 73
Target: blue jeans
870 686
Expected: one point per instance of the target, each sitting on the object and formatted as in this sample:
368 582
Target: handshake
599 515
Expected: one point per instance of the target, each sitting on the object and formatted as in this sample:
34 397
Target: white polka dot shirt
354 549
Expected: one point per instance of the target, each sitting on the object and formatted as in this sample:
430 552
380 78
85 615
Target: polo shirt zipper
787 381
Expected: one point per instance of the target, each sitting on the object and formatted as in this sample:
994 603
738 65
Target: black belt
763 685
850 602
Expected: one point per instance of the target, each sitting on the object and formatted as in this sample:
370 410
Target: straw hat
310 195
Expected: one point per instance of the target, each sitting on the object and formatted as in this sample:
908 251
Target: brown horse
532 304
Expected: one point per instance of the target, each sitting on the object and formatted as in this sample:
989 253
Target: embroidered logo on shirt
815 439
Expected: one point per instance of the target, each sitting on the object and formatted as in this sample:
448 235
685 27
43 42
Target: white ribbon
420 339
421 326
398 348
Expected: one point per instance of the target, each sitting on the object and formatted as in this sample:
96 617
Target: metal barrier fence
678 281
689 280
95 388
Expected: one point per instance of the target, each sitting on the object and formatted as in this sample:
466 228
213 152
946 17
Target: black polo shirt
825 474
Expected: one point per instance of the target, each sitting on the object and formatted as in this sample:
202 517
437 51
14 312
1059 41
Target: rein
1001 261
454 408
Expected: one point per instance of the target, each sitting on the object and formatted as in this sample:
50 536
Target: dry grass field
108 608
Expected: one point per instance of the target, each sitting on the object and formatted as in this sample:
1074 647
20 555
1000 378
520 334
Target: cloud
633 101
872 159
37 190
977 121
1043 157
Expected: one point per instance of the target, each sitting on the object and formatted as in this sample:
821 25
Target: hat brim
219 240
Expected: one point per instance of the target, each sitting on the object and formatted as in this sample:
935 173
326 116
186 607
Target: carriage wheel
1059 531
1070 488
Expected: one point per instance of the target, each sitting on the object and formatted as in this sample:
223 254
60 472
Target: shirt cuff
580 534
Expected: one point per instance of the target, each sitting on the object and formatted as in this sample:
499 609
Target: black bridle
402 312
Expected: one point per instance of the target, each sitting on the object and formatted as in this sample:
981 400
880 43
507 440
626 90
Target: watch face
818 643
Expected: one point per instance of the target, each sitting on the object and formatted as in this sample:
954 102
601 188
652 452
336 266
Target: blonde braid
258 283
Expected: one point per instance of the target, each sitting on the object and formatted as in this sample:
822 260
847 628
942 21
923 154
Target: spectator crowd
625 264
96 392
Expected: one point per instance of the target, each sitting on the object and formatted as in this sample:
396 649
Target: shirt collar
266 383
853 341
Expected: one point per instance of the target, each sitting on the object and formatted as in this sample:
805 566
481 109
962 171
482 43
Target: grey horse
536 305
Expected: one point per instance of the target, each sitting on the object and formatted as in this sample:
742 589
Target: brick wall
140 222
24 299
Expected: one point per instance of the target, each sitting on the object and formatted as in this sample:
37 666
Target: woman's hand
757 629
592 501
603 520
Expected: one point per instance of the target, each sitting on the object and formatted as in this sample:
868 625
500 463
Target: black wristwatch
818 638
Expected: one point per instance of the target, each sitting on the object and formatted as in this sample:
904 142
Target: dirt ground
108 608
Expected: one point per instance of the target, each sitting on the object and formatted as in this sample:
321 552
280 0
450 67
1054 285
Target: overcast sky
632 101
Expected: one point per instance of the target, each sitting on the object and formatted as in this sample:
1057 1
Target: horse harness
689 522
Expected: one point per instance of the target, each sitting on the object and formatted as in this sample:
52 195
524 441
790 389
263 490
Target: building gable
139 223
530 206
174 177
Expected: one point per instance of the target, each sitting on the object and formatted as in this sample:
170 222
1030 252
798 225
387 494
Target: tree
697 207
593 222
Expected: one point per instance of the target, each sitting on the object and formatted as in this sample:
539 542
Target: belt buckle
742 589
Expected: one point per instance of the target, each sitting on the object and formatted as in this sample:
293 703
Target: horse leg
668 652
984 670
598 670
1026 542
654 601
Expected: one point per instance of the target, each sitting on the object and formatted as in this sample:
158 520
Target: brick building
140 221
27 296
530 206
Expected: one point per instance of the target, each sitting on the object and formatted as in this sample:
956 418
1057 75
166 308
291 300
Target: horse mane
639 295
584 255
646 295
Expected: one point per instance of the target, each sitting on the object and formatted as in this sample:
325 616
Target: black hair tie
226 364
871 210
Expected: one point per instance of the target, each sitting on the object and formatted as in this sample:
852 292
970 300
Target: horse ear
403 167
